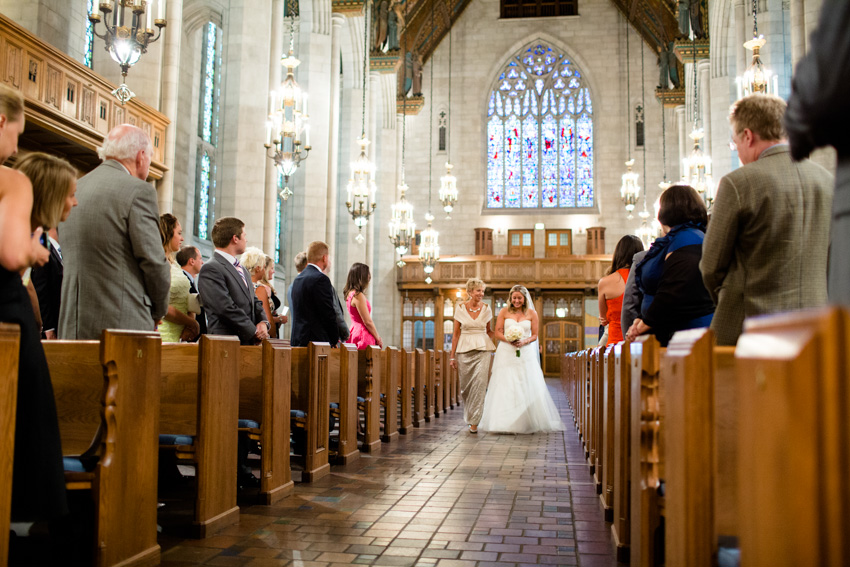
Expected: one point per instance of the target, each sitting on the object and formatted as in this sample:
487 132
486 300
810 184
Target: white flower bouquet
514 334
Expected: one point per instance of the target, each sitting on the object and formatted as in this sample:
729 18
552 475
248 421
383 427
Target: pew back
10 344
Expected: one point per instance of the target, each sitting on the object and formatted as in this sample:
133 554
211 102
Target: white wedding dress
517 400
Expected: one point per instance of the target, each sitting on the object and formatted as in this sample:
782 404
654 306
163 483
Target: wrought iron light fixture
448 182
127 40
288 119
644 232
429 246
698 164
630 189
757 79
402 225
361 185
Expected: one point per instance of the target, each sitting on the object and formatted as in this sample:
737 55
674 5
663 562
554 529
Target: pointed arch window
540 135
88 50
207 140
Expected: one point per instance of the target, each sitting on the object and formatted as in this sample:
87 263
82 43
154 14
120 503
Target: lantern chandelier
644 232
126 41
429 247
288 119
698 164
448 182
629 190
757 79
402 225
361 185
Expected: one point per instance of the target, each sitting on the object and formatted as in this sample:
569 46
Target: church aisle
440 497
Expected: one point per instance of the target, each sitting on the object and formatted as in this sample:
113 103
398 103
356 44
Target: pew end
10 347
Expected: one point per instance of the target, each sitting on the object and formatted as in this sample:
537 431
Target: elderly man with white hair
116 274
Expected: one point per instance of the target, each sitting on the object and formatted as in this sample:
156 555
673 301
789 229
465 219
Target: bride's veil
531 306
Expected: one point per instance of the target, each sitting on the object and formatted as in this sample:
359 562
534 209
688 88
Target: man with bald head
116 275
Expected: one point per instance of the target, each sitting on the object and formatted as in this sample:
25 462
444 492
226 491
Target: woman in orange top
612 286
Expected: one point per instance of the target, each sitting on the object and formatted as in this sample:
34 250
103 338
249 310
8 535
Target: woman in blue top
674 297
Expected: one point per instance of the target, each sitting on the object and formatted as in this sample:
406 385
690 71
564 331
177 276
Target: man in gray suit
116 275
227 293
766 245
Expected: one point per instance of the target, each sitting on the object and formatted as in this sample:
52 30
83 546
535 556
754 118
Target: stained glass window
205 186
89 39
540 134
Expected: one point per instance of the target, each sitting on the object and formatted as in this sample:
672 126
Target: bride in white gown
517 399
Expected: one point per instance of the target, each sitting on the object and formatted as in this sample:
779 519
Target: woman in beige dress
471 347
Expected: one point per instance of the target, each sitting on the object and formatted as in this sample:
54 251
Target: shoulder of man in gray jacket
631 296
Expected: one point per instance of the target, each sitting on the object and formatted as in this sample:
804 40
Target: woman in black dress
38 483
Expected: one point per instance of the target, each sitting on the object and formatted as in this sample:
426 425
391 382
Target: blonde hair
315 251
521 289
51 179
762 114
253 258
474 283
263 279
11 102
300 261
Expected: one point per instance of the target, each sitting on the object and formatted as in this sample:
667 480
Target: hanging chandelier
448 182
127 41
757 79
429 246
288 120
664 184
629 190
402 225
698 163
361 185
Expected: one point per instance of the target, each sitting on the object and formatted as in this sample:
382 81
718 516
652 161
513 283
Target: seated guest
674 297
363 331
612 286
178 318
190 260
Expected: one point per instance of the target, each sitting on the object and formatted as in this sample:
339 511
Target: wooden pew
647 467
597 359
200 399
439 408
606 462
310 395
408 377
343 392
620 529
391 371
451 373
429 386
420 363
446 374
10 345
369 388
108 402
264 397
794 439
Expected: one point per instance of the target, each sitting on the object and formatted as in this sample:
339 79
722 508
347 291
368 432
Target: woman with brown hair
363 331
178 324
38 481
674 296
613 285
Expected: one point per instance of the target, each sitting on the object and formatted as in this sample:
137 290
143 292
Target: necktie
241 273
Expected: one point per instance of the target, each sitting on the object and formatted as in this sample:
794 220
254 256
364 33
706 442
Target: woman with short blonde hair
472 342
255 262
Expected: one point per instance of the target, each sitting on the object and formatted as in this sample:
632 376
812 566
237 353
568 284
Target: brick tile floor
438 497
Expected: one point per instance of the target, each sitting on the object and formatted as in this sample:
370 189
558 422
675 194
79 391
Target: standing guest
818 115
254 260
190 260
313 300
472 343
363 331
117 229
266 279
47 280
668 276
750 264
228 296
613 286
38 481
300 264
179 323
631 296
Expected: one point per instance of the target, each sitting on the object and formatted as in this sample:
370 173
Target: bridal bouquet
514 334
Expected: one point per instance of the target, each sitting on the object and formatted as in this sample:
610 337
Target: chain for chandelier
361 186
629 190
644 232
448 182
402 225
757 79
698 164
429 248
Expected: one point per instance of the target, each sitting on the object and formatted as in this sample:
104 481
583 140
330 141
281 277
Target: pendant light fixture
448 182
757 79
429 247
698 164
644 232
629 190
361 185
402 225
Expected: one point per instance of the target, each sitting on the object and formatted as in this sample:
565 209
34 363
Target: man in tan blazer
765 249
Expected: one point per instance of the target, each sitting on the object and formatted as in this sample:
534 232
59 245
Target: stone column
704 81
271 194
682 126
373 122
170 97
337 21
798 32
742 33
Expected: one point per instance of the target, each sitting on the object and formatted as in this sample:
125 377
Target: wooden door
558 339
521 243
559 243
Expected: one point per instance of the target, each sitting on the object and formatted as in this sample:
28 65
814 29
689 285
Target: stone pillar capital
337 20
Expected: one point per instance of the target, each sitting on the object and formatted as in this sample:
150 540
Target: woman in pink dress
363 330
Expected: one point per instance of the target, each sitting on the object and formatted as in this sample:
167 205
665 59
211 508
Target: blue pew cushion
249 424
171 439
297 414
361 400
334 405
73 464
